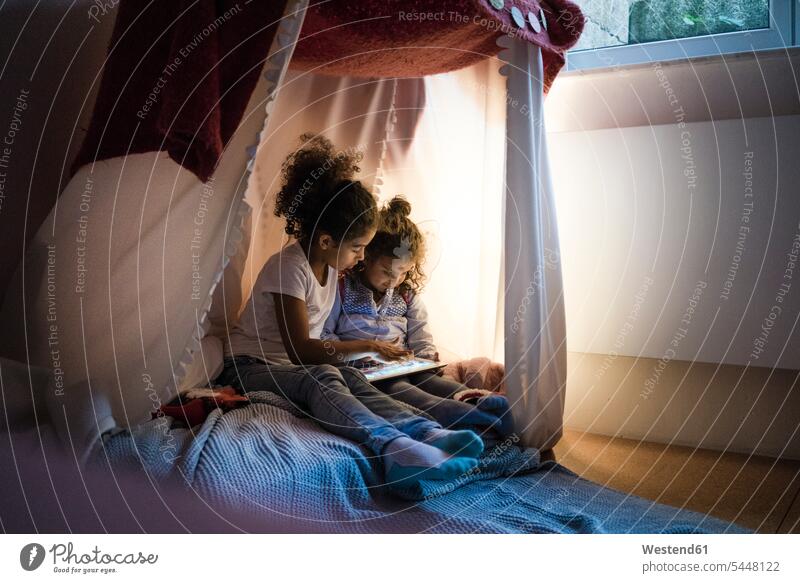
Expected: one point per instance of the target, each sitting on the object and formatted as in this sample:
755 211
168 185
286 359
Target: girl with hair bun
275 346
380 300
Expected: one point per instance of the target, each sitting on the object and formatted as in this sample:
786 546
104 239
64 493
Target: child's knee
230 376
350 374
440 386
326 373
324 369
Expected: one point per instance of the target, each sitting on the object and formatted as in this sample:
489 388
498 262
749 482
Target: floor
755 492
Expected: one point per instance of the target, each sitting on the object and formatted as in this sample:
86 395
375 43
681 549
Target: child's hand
439 371
390 350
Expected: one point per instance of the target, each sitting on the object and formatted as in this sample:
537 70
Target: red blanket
400 38
178 77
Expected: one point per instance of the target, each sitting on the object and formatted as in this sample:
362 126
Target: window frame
784 23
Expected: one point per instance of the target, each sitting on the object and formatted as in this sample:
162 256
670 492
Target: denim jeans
432 394
340 399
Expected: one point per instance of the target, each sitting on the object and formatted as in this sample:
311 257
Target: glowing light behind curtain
535 346
457 140
446 155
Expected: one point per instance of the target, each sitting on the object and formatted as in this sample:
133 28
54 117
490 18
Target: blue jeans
432 394
340 399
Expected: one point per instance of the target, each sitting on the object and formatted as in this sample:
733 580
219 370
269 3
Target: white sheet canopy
119 288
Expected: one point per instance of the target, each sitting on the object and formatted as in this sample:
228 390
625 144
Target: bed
267 461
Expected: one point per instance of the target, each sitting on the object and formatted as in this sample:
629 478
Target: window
624 32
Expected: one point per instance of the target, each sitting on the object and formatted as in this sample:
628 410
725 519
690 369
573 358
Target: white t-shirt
289 273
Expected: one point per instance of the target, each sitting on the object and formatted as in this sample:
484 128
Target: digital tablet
378 371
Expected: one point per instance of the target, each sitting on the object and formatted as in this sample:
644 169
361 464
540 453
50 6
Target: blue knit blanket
269 460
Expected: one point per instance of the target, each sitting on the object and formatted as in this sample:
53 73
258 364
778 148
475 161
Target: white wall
649 169
640 239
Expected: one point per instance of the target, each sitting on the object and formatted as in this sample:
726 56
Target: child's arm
329 330
419 337
293 324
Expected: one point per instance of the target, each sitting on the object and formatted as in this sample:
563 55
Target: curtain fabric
114 290
535 342
446 155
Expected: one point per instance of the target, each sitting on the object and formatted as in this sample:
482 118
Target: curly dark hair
319 193
399 237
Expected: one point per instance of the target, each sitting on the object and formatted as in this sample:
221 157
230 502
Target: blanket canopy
184 89
169 192
424 37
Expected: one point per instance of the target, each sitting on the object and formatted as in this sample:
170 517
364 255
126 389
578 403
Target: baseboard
702 405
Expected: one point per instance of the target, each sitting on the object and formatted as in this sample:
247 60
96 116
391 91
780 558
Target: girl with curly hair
275 346
379 300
